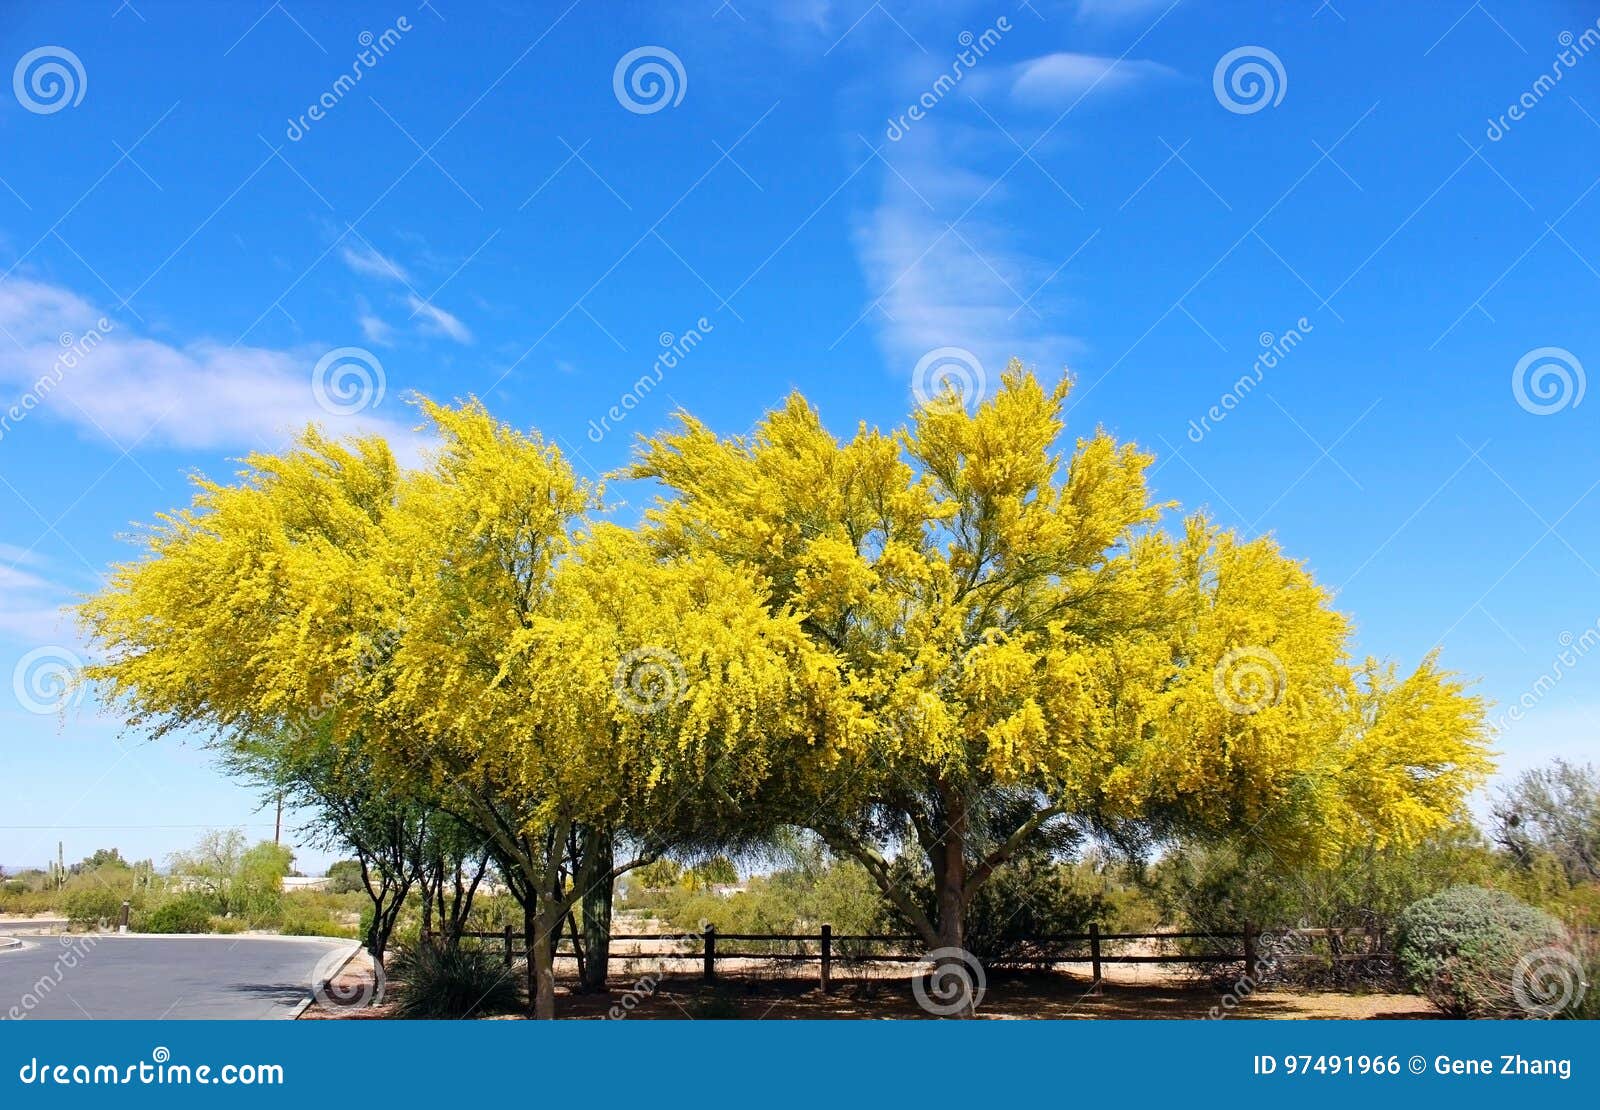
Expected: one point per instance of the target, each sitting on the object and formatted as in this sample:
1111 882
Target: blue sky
496 208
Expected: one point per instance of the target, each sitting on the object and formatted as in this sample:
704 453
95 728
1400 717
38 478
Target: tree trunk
530 929
950 872
951 968
597 895
541 961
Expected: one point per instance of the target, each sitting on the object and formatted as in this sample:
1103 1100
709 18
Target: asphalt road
115 976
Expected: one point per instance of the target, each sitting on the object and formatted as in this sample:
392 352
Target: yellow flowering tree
558 688
1024 652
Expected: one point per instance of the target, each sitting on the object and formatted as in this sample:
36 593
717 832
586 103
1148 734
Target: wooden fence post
509 945
710 938
1094 956
1249 951
827 958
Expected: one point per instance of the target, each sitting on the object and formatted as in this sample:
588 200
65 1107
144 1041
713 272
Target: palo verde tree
575 692
457 631
1026 652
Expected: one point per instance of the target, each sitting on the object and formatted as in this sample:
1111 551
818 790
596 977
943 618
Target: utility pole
277 825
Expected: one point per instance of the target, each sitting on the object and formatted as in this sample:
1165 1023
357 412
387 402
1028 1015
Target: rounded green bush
91 906
183 914
1461 948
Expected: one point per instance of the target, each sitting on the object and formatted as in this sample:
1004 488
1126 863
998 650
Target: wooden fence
826 948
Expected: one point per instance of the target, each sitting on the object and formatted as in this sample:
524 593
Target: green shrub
227 926
1029 897
304 924
187 913
344 877
91 905
453 983
27 901
1461 948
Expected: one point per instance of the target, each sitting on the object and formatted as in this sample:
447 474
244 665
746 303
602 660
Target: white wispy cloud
376 330
940 273
14 556
139 390
942 258
1056 80
30 606
366 260
436 321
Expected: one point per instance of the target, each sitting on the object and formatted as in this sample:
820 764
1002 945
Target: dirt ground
1129 991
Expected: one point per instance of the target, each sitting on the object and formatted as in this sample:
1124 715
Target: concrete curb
355 950
9 942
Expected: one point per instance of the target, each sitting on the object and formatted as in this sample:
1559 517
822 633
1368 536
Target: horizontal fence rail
707 946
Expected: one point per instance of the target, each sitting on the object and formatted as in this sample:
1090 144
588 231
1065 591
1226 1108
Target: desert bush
1461 948
344 877
228 926
298 922
187 913
90 905
453 983
1030 897
17 897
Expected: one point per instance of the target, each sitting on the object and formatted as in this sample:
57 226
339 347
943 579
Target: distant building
304 882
